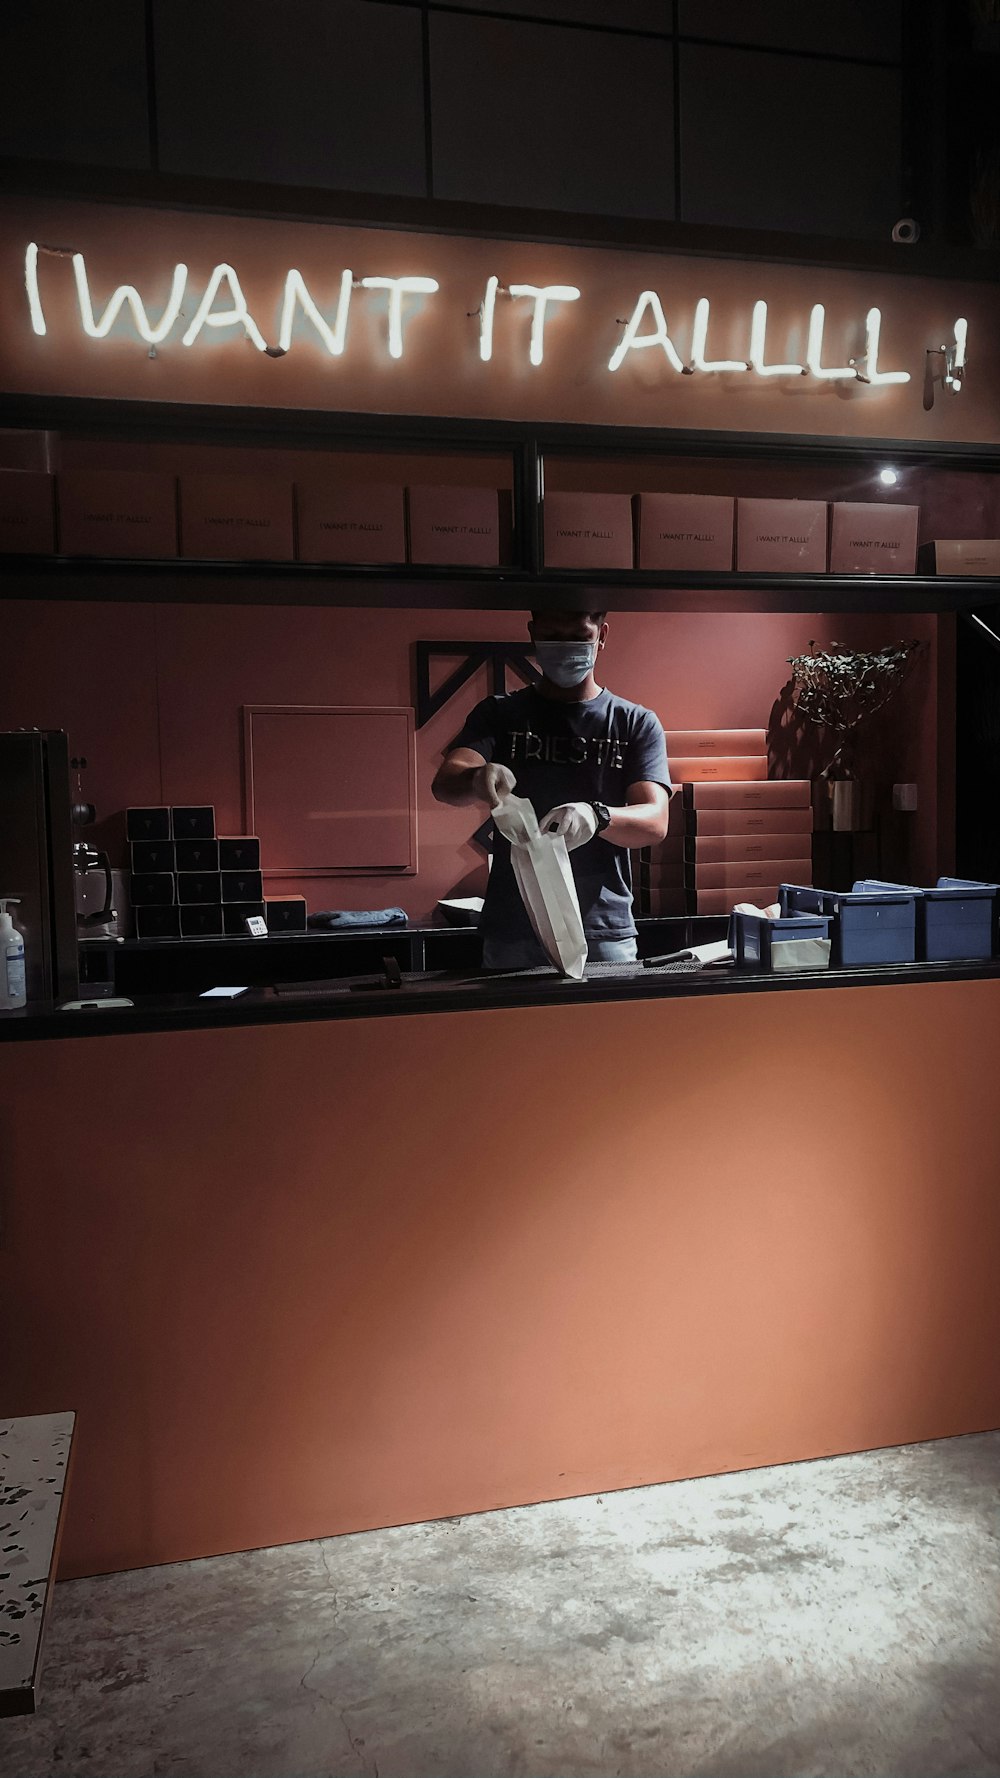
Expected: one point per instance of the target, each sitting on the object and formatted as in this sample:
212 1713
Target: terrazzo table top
34 1461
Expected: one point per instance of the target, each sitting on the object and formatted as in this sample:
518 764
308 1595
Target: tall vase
852 804
845 845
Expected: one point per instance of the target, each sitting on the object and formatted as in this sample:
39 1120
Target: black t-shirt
590 751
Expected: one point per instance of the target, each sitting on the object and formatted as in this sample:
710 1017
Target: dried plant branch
840 689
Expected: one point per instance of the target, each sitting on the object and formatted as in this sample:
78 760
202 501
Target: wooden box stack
741 833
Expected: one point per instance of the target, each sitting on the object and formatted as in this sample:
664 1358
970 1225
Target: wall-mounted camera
906 232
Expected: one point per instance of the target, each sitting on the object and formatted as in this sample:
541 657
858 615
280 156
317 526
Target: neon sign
222 304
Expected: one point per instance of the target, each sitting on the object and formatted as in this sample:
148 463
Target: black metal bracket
497 657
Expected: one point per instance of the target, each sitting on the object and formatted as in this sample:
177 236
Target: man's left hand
576 822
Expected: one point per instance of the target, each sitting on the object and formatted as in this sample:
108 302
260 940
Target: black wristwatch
603 814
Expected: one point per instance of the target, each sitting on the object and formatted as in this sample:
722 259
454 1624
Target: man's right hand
494 782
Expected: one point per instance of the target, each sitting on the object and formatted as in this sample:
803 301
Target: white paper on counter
800 953
713 953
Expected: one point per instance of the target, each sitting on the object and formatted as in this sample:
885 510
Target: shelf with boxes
150 515
794 524
187 881
723 536
453 513
740 833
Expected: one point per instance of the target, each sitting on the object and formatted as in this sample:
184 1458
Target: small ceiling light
888 478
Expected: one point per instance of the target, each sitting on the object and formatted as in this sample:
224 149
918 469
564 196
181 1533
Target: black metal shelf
522 583
503 588
294 428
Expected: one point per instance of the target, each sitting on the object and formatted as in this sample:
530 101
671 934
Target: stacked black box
189 882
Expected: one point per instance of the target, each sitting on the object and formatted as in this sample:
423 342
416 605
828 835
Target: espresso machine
102 906
97 894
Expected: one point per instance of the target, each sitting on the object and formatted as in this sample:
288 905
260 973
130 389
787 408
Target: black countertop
453 991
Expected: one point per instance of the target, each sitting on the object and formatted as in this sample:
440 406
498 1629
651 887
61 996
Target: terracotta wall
151 695
290 1292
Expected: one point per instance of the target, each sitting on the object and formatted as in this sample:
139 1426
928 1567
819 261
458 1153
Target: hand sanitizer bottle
12 987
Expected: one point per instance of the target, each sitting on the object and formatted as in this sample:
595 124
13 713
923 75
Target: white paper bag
544 877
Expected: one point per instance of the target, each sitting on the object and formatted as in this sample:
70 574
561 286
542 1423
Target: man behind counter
594 768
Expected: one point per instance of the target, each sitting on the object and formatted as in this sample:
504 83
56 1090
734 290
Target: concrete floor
839 1618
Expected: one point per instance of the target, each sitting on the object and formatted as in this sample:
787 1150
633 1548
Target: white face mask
566 663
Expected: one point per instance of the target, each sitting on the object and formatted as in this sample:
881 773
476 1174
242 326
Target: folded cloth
343 919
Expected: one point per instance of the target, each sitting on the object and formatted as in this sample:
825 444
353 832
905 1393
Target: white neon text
814 351
305 323
542 295
955 362
127 293
486 315
31 284
872 374
238 316
758 340
633 341
699 340
297 291
398 288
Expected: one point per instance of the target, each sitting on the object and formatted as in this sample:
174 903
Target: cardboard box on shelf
196 886
745 848
27 513
285 913
750 821
685 531
236 518
242 885
715 743
663 876
781 536
194 821
152 889
669 904
235 915
708 769
196 855
147 824
153 856
774 793
668 851
350 522
158 922
587 530
121 512
872 537
201 921
747 873
239 852
961 555
454 527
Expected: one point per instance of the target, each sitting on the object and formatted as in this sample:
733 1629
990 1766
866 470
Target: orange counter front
298 1279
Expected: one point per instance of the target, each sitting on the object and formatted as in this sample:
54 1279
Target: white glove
493 783
576 822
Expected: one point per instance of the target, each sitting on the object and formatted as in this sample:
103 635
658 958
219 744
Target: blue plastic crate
954 919
751 937
869 926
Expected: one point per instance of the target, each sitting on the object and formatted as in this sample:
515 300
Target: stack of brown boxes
742 832
186 881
